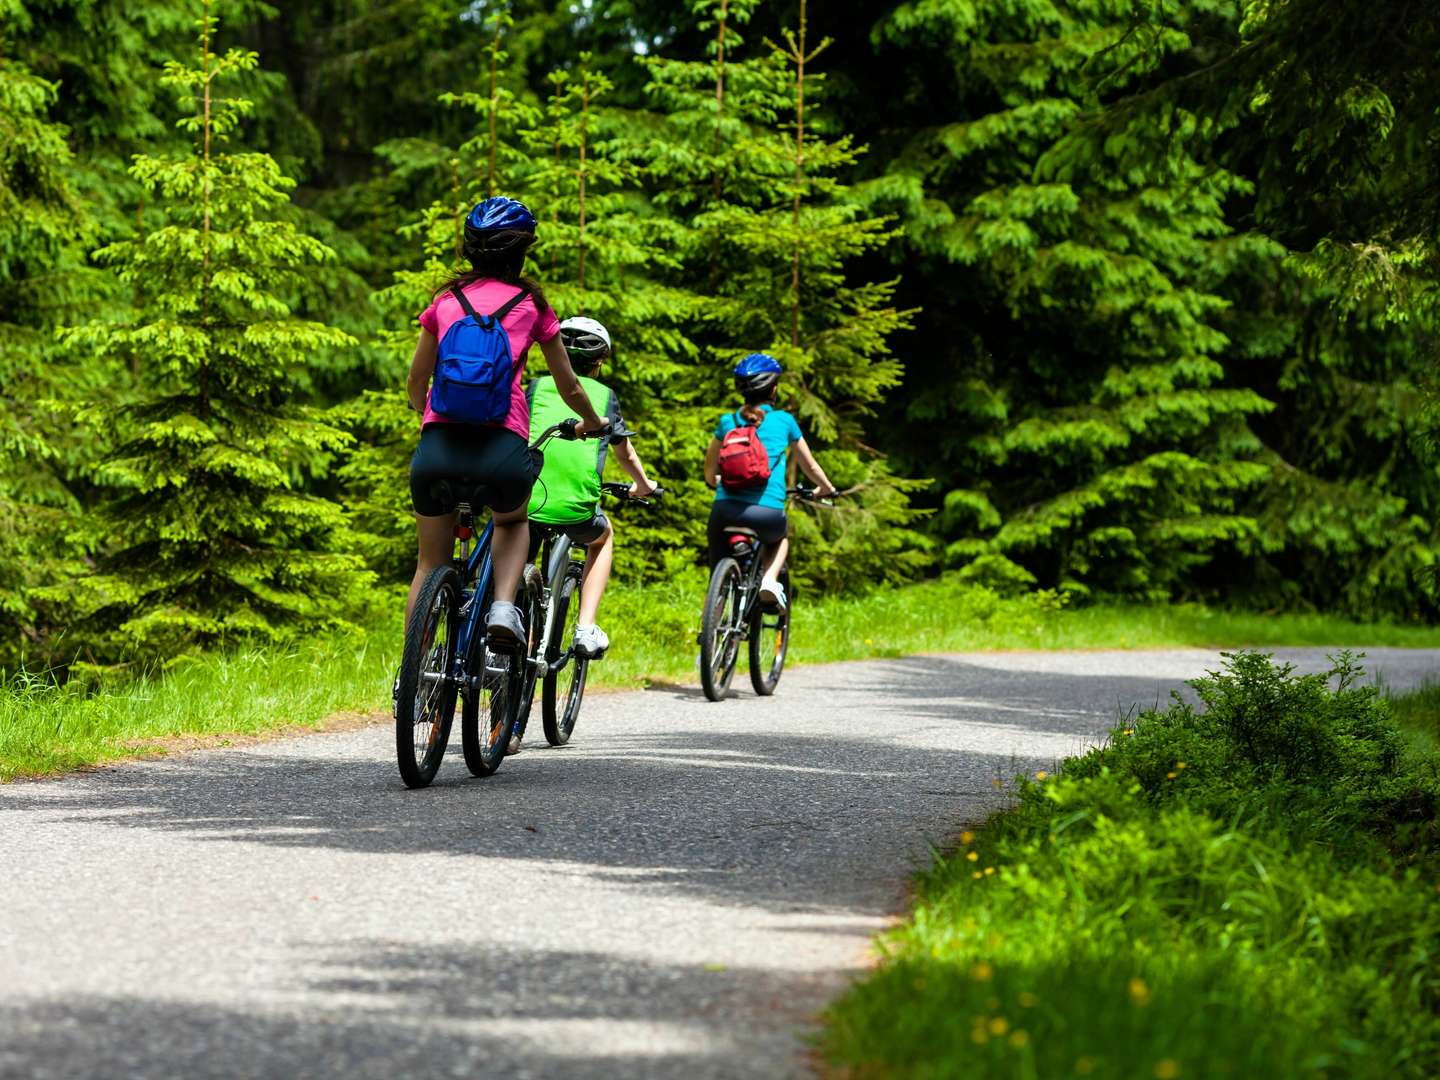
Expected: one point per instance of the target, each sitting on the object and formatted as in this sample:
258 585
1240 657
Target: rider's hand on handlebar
636 492
829 491
588 432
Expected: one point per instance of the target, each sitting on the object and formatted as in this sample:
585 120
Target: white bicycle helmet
586 340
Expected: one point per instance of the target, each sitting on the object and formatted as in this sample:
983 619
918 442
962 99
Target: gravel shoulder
676 893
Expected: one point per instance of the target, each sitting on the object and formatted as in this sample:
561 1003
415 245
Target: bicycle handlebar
622 491
807 494
569 431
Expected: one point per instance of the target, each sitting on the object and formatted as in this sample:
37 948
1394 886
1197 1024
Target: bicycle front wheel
720 628
490 703
564 689
426 698
770 642
532 603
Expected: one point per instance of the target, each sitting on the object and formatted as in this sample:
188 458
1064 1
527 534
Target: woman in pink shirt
498 232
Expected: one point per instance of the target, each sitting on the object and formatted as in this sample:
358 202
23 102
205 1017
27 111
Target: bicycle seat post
464 530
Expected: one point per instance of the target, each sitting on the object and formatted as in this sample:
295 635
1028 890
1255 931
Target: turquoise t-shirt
777 432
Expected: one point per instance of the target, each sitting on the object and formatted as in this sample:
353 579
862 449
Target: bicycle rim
769 644
566 687
490 708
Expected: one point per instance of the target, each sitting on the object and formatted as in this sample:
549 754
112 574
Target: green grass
1248 890
45 730
1418 711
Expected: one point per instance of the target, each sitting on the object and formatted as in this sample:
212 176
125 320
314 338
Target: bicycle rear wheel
491 703
564 689
770 642
720 629
426 700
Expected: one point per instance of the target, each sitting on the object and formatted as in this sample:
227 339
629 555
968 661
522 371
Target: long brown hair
751 412
501 261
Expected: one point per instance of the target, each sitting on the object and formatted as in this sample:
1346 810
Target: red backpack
744 461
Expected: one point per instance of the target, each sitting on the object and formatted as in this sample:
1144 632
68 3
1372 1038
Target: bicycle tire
533 605
437 606
496 697
765 677
719 646
561 697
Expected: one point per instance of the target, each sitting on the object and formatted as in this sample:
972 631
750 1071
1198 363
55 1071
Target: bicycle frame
475 575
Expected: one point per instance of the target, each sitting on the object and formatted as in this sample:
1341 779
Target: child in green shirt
567 493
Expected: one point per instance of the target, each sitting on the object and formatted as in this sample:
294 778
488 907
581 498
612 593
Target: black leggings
768 523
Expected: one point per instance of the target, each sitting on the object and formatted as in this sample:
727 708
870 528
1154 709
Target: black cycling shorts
484 466
766 522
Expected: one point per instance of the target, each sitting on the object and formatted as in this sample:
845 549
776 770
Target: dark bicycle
553 661
447 652
734 613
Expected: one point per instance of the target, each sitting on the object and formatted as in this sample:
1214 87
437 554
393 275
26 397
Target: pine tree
213 538
1083 360
43 223
772 233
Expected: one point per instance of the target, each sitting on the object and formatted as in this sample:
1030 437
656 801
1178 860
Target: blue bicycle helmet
500 213
499 226
756 373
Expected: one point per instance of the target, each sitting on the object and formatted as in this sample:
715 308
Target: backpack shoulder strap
459 295
509 305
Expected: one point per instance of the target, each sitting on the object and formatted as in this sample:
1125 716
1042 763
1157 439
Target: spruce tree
43 225
772 234
1103 447
212 538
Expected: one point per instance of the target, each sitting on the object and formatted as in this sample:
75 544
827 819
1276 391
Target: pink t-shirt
525 324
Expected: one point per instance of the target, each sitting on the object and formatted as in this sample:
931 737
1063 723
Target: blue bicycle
447 653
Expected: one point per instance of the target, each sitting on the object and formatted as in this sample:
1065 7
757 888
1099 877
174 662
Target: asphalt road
675 894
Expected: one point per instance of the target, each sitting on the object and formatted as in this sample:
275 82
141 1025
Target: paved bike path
674 895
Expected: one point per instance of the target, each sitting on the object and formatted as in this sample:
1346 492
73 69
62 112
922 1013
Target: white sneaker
773 593
590 642
505 625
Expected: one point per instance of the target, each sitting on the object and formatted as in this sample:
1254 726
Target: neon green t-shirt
568 489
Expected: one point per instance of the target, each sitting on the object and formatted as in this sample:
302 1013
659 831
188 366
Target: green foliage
1217 892
214 538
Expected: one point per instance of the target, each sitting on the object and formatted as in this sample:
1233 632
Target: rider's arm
812 468
558 360
630 461
422 366
712 463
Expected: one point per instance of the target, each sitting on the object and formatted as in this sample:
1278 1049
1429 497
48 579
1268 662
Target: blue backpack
474 370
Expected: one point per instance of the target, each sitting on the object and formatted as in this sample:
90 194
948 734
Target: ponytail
751 412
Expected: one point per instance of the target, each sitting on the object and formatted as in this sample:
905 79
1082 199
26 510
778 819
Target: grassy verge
1248 890
45 730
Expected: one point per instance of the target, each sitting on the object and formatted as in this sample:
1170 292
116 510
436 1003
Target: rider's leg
437 544
775 559
599 557
508 548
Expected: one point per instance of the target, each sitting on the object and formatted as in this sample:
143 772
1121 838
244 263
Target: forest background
1120 300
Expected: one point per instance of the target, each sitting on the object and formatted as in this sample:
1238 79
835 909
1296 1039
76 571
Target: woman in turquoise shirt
761 507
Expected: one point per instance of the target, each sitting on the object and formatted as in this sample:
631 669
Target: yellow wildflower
1171 775
1139 992
989 870
982 972
972 856
999 1026
967 837
1167 1069
1019 1038
978 1035
1179 765
977 874
1041 775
